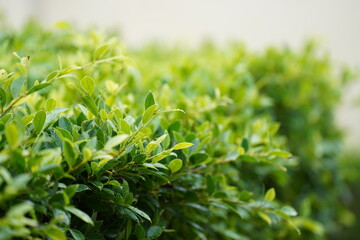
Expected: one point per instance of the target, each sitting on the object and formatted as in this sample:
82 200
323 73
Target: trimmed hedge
87 152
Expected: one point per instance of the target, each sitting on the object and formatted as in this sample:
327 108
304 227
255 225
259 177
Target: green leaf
12 135
52 75
23 70
71 190
2 97
90 104
149 100
154 144
114 141
175 165
77 235
140 213
124 126
154 232
50 104
16 86
80 214
103 115
54 232
288 210
248 158
139 232
265 217
114 183
69 152
19 209
198 158
270 195
148 114
281 154
210 184
166 141
38 87
128 229
88 84
97 184
39 121
182 145
118 115
100 51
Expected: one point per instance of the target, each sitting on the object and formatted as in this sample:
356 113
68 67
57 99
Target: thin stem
12 103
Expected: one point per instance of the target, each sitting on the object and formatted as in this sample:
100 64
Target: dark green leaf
77 235
140 213
154 232
69 152
149 100
38 87
2 97
90 104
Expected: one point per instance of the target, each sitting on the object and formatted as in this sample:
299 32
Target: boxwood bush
165 142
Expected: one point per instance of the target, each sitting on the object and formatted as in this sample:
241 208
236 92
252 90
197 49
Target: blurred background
258 23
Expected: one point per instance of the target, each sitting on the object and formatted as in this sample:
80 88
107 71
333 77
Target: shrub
90 169
104 165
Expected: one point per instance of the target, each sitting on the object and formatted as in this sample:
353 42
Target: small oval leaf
270 195
88 84
39 121
50 104
175 165
12 135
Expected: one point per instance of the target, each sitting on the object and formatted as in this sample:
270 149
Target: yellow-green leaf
50 104
88 84
54 232
265 217
175 165
182 145
69 152
114 141
12 135
39 121
100 51
148 114
270 195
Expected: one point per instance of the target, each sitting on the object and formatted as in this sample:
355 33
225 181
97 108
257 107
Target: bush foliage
167 143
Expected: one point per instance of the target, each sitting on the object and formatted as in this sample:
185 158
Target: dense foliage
88 152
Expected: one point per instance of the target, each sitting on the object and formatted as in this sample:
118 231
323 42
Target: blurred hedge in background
243 112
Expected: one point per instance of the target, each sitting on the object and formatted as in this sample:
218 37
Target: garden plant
166 142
